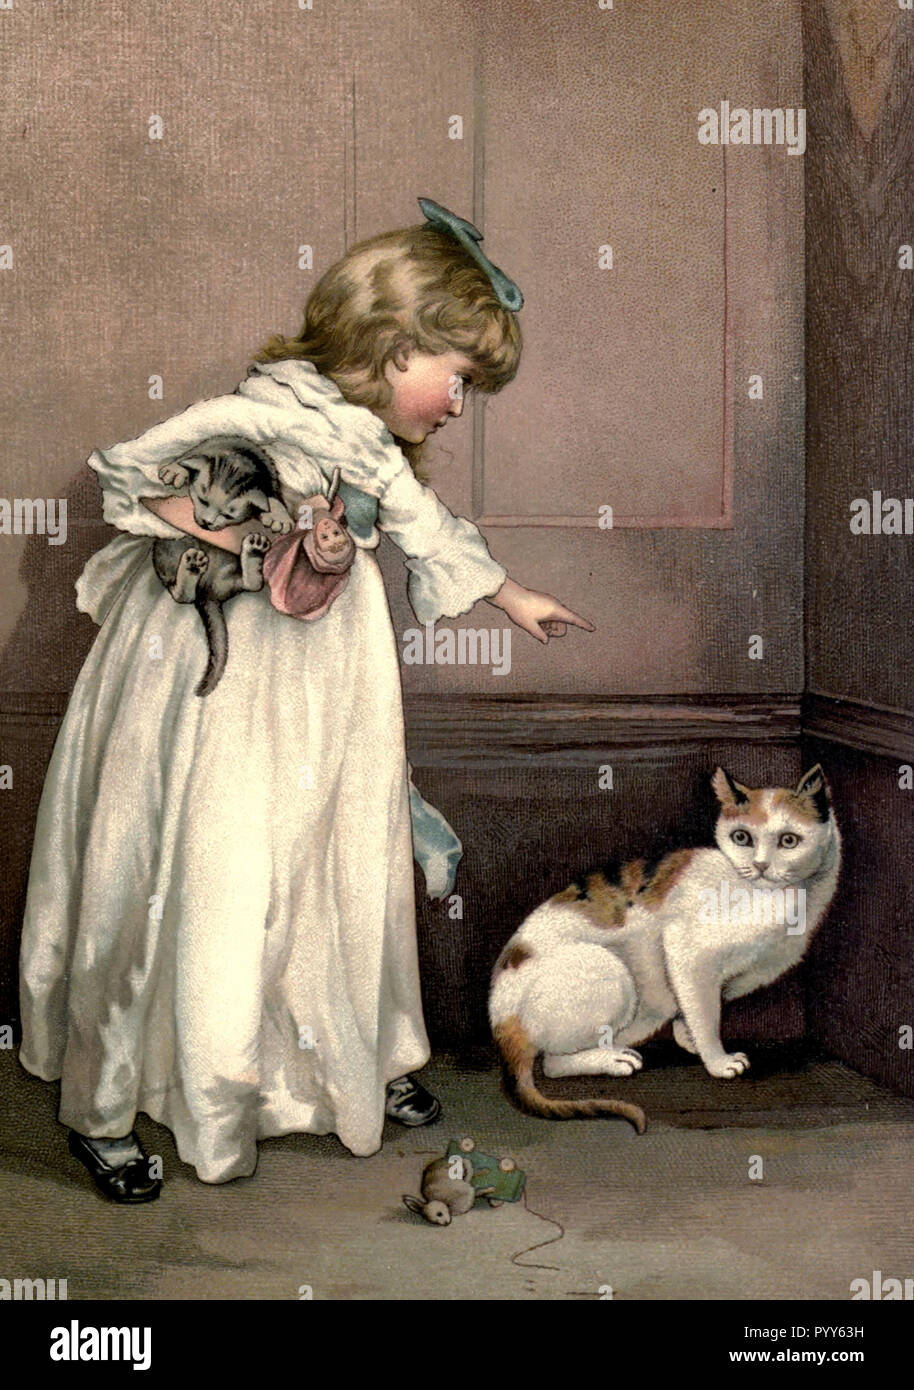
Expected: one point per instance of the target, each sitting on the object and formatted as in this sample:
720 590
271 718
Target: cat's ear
814 787
728 791
259 500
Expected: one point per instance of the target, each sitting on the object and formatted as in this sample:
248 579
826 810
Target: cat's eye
789 841
741 837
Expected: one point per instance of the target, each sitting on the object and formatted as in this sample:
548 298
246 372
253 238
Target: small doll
308 569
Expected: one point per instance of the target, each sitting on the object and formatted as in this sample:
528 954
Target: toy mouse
450 1185
447 1190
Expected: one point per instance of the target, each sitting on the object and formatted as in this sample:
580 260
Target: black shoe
128 1182
409 1103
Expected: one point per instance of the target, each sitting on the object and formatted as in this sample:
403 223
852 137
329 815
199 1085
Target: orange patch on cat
669 872
513 956
801 806
605 903
631 877
752 810
515 1047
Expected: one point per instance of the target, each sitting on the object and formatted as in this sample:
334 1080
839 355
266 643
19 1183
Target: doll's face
427 389
331 540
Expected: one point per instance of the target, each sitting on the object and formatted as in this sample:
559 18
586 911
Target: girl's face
427 389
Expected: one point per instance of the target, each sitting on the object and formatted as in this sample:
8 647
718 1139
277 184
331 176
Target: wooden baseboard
469 731
478 732
868 728
31 707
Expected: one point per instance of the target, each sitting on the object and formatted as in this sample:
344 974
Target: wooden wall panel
859 77
860 978
860 421
624 398
633 387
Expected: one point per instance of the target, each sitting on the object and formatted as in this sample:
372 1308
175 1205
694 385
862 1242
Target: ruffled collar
318 392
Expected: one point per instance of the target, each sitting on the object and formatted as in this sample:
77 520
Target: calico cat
228 480
603 965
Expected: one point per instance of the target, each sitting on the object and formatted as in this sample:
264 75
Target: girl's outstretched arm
539 614
449 564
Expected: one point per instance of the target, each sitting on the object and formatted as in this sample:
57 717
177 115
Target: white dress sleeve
448 560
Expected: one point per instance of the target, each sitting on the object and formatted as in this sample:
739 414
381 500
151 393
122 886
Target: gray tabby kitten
604 964
228 480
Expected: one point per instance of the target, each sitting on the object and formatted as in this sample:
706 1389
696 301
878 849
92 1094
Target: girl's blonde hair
417 283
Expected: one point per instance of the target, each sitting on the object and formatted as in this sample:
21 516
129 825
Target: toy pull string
515 1259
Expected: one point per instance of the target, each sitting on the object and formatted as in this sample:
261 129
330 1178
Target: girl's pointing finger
566 615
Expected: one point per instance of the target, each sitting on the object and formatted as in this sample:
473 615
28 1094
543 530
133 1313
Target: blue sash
436 848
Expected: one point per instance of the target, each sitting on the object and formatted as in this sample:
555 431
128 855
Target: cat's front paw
174 475
729 1065
628 1054
278 521
255 543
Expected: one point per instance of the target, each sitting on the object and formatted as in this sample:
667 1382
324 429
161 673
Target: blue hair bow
507 293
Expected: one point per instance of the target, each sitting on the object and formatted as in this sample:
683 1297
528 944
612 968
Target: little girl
220 924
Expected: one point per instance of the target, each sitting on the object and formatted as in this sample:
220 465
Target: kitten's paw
255 543
174 475
280 522
193 561
730 1065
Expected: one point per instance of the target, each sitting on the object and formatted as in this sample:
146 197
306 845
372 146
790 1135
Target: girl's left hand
539 614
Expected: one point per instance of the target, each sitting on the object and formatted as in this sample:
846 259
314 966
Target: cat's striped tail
518 1055
216 630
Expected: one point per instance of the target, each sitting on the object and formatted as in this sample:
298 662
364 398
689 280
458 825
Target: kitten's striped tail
518 1055
214 625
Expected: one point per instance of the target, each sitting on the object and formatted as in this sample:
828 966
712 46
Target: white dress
220 924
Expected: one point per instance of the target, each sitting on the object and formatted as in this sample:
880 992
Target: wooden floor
673 1214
